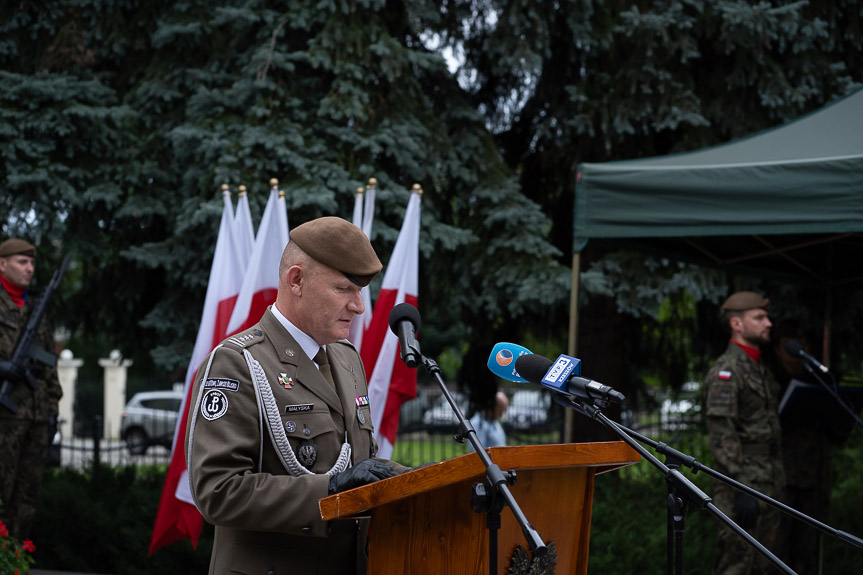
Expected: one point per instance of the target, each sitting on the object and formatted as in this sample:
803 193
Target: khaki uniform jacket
267 520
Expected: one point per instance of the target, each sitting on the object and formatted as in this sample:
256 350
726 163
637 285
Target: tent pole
569 414
828 312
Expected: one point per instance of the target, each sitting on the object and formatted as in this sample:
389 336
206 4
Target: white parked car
441 414
528 408
149 419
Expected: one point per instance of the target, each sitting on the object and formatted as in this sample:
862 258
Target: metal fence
426 430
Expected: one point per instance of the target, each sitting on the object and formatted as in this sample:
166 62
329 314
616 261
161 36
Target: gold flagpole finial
360 191
242 190
274 183
226 190
281 194
372 183
416 189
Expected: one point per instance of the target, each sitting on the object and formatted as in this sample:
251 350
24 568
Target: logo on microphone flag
504 357
560 371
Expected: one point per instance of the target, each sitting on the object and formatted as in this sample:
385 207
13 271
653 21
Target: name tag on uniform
299 408
222 383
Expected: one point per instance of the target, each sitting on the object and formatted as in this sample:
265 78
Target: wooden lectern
422 521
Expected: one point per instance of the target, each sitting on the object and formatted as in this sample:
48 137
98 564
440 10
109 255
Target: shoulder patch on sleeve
214 405
724 375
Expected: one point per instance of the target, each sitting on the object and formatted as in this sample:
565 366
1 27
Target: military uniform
24 435
263 433
740 400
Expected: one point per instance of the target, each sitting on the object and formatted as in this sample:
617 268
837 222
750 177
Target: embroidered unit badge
214 405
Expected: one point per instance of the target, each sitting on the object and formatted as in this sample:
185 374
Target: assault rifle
25 348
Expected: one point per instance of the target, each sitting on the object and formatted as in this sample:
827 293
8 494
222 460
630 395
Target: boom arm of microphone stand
684 486
690 462
494 474
832 390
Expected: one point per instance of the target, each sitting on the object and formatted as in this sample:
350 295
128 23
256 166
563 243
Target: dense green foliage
120 120
628 529
100 521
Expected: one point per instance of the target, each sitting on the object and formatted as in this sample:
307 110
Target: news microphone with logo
501 360
563 376
796 350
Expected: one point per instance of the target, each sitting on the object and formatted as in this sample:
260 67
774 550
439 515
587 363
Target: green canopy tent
788 200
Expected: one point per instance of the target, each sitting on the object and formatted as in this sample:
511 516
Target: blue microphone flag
501 360
560 372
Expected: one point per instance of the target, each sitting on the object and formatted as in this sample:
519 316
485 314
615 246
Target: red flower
28 546
3 531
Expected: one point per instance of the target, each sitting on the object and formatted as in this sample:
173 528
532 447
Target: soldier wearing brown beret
281 416
24 434
740 401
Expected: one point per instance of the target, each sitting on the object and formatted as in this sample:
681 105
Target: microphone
557 375
404 321
501 360
796 350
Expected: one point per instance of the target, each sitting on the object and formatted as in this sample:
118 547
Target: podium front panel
441 534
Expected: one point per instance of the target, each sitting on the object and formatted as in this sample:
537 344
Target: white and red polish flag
364 213
177 517
392 382
244 231
261 280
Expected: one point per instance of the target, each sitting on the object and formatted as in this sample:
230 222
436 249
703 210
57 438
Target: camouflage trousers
23 444
734 555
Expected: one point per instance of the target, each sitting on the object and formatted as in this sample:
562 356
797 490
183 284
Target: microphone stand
832 390
491 495
682 492
680 458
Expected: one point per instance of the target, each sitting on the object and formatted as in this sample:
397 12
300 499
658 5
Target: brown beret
339 244
744 300
16 246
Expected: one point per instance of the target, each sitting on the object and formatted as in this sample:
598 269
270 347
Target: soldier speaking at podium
282 419
740 400
24 431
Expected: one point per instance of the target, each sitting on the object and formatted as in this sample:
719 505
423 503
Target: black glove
366 471
12 372
745 511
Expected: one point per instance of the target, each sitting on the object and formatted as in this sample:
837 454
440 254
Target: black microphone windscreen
793 347
532 367
401 312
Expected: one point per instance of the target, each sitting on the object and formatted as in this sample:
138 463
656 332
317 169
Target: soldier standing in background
24 434
740 401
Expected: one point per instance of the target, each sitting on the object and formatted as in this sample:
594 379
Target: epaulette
349 343
246 338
